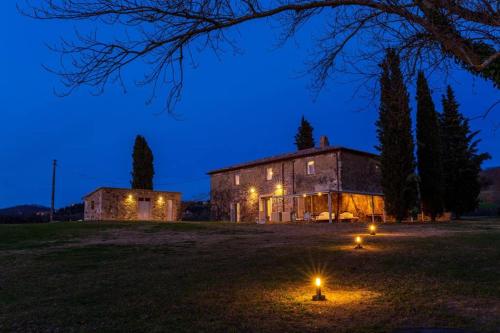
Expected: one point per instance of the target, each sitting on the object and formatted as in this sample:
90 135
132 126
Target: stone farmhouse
325 183
120 204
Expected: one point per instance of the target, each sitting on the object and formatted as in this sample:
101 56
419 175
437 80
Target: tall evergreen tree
461 159
430 168
142 165
394 132
304 137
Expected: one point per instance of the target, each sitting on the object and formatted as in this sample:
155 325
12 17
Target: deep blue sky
235 109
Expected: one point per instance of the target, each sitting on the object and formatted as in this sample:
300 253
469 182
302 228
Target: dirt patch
138 237
267 236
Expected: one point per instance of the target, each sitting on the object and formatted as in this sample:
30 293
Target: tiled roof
291 156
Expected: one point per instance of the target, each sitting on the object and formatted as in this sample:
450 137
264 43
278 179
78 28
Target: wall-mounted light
318 296
252 190
373 229
279 189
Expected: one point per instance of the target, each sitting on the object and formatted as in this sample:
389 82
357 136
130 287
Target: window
310 168
269 174
92 205
237 179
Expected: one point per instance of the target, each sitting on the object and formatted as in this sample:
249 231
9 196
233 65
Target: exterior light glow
252 189
358 241
373 230
304 195
320 194
279 189
318 296
130 197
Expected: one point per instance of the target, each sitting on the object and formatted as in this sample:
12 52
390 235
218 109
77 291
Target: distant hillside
24 210
24 214
38 213
490 193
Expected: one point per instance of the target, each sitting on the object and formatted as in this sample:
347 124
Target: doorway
144 209
301 207
170 215
268 208
235 212
238 212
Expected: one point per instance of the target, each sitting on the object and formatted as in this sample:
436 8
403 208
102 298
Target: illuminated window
310 168
237 179
269 174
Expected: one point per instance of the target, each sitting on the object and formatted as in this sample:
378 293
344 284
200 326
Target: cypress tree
304 137
142 165
461 159
430 168
397 161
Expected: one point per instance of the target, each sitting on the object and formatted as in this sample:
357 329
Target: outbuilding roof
291 156
125 189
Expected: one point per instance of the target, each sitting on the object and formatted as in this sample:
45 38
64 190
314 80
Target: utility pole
54 164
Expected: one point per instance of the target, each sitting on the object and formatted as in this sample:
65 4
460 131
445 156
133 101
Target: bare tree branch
433 33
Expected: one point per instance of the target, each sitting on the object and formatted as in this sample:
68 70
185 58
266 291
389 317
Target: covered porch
322 206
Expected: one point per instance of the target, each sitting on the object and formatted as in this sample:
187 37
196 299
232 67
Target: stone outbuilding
120 204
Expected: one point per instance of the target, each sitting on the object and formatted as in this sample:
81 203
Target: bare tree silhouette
431 33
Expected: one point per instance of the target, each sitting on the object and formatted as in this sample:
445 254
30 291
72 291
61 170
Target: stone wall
122 204
92 206
360 173
324 178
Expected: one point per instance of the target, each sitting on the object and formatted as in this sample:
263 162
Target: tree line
445 174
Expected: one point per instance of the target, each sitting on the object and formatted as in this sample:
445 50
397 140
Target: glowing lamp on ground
358 241
318 296
373 229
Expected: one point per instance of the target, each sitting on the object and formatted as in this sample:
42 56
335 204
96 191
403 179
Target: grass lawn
217 277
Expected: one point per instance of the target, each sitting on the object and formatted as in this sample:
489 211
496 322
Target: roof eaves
289 156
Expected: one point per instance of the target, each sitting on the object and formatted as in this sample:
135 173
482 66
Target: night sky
234 109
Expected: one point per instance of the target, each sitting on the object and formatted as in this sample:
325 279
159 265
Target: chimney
323 141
